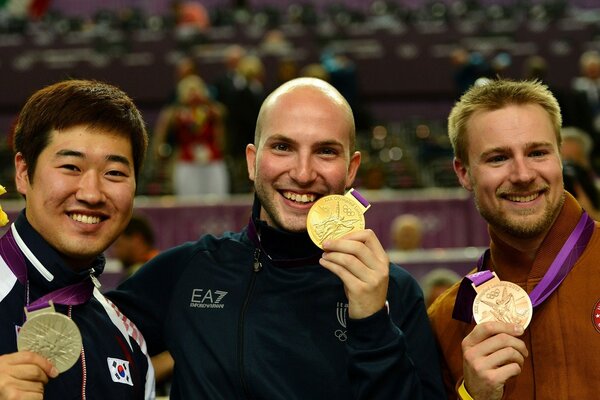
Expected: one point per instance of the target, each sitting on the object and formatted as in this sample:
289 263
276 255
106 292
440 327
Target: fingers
362 264
491 335
492 353
357 250
24 374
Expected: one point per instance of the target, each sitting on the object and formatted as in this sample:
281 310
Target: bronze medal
334 216
502 301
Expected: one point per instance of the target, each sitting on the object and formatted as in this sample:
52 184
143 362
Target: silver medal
53 336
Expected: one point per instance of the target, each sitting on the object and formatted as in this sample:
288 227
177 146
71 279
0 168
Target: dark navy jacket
103 341
241 325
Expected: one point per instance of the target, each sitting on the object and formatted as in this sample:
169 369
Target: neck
528 246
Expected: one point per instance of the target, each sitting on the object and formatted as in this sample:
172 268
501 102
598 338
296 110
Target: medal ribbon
556 273
74 294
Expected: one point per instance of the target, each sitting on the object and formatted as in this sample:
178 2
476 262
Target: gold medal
52 335
334 216
502 301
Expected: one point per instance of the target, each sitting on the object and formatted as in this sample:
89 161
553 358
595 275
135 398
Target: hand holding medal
334 216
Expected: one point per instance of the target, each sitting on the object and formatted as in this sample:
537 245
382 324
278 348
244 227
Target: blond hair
495 95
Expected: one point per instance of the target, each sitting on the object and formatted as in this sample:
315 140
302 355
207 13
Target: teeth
300 198
86 219
522 199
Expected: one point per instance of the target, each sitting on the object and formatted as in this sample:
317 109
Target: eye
328 151
70 167
116 173
538 153
281 146
498 158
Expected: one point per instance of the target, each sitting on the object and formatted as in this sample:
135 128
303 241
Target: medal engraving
53 336
503 301
333 216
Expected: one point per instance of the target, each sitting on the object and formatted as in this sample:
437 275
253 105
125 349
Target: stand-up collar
514 265
51 260
282 245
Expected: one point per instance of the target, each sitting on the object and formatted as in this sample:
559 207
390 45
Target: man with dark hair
79 146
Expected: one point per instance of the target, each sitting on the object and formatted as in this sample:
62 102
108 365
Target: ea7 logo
206 298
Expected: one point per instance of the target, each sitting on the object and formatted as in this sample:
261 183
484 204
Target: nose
90 188
522 171
303 172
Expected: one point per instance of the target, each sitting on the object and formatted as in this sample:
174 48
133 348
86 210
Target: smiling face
303 154
81 196
514 170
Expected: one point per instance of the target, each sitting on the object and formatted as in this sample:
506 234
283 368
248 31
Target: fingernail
519 329
53 372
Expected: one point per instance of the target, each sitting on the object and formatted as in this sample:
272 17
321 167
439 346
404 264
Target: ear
251 161
353 168
21 176
462 172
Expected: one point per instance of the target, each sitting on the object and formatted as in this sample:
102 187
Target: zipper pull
256 265
95 280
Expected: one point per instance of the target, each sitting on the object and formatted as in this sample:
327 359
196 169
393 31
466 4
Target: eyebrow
506 149
287 139
111 157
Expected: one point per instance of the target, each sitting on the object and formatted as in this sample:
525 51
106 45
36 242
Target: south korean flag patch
119 371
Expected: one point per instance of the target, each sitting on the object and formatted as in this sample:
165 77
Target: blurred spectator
407 232
588 83
535 67
576 146
578 175
436 282
242 100
343 75
191 16
573 104
135 245
194 126
275 43
225 84
468 67
315 70
287 69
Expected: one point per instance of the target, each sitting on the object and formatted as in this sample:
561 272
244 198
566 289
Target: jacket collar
282 247
46 269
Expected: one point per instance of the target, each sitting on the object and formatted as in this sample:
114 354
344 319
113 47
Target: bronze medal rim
501 284
314 217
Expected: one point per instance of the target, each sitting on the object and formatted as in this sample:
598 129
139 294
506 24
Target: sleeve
146 296
393 353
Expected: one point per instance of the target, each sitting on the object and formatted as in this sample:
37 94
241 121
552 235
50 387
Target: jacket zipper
256 267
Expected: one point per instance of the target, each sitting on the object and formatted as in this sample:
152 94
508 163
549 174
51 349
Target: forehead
307 114
510 126
90 141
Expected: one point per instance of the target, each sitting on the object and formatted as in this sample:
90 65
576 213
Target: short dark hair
141 226
69 103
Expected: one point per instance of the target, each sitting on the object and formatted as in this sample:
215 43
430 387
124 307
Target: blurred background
400 64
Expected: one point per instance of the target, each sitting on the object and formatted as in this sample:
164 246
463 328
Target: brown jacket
562 339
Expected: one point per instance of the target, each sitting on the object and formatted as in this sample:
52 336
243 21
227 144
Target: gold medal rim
513 286
328 198
31 322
